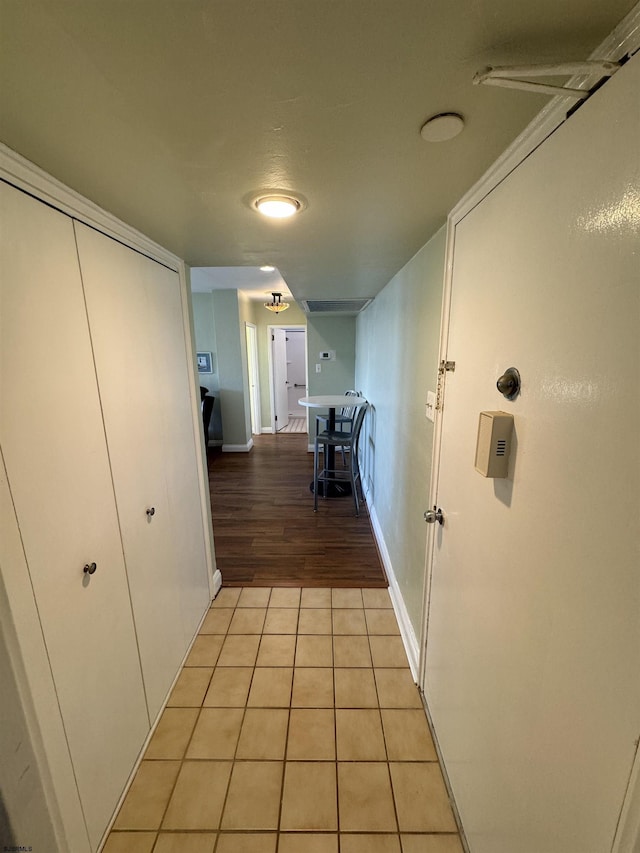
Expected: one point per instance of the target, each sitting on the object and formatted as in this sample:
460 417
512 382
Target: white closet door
135 315
53 441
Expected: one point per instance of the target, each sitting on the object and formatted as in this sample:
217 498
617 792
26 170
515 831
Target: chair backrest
357 426
347 411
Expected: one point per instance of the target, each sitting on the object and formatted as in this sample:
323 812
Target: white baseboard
238 448
407 633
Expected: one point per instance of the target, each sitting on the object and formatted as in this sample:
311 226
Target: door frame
251 336
294 327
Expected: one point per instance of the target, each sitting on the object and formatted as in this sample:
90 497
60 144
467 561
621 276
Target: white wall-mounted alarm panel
493 448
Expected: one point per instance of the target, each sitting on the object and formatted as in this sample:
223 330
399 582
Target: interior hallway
266 532
294 727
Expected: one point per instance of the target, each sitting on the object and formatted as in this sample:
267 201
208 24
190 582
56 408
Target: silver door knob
151 512
89 568
433 515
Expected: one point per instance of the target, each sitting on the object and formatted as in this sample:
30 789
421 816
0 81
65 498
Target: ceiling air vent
335 306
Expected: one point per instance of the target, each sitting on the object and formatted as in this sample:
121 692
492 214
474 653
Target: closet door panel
144 390
53 442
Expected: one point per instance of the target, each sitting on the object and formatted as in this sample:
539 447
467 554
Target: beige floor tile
431 844
254 597
191 687
311 735
348 621
309 797
407 735
264 734
148 795
376 598
205 650
421 798
369 844
396 689
128 842
216 733
277 650
247 842
381 621
388 652
217 620
229 687
351 651
314 651
239 650
197 800
185 842
315 598
315 620
355 688
271 688
359 735
227 597
253 800
285 597
312 687
172 733
281 620
346 598
366 802
293 842
248 620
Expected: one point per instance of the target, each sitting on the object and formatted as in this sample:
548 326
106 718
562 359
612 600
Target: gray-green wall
232 357
396 364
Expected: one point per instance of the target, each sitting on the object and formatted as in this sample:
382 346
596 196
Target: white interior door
54 447
533 643
279 362
135 302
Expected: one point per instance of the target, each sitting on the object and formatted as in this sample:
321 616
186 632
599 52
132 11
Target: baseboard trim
217 582
238 448
407 633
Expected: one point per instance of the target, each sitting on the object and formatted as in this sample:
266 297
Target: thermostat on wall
327 355
494 444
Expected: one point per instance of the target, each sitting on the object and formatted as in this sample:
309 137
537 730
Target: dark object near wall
207 410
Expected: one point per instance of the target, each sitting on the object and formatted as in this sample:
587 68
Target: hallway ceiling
170 113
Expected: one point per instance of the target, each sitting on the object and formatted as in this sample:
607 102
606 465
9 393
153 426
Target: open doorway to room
254 377
288 375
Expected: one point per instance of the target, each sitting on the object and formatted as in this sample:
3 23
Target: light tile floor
294 727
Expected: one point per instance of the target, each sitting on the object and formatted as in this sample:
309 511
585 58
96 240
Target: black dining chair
347 440
344 418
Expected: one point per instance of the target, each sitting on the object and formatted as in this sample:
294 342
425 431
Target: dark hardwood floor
266 532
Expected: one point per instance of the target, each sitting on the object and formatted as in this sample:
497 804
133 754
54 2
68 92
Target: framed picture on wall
205 362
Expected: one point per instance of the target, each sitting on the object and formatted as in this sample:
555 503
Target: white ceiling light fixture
267 268
442 127
276 305
277 206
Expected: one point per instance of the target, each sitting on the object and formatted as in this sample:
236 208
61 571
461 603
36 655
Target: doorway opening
251 334
288 378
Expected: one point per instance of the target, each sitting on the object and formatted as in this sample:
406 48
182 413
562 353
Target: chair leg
315 476
354 485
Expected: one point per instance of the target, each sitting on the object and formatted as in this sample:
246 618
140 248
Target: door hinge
445 367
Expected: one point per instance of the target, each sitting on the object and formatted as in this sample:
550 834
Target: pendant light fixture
276 305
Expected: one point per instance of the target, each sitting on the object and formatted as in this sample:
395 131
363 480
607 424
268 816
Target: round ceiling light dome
277 206
442 127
